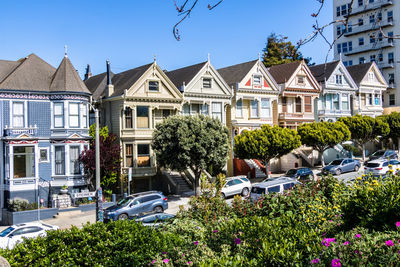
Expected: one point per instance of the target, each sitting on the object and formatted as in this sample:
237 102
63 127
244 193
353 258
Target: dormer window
371 76
206 83
339 79
257 80
153 86
300 80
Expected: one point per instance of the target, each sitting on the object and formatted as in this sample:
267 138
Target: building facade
363 42
44 128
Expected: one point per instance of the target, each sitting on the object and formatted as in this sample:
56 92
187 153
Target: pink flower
196 243
326 241
357 235
346 243
336 263
315 261
397 224
165 260
189 262
215 231
389 243
238 241
153 261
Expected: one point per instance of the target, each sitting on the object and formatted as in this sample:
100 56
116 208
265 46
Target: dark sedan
301 174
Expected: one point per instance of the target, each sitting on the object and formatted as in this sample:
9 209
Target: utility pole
99 193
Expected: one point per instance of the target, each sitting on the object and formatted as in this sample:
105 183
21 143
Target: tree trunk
267 168
363 151
322 158
197 175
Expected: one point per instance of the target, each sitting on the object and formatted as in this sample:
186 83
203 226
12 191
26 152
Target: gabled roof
97 84
125 80
184 75
236 73
6 67
322 72
283 72
66 79
359 71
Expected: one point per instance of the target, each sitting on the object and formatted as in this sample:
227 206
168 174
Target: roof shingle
322 72
184 75
283 72
236 73
359 71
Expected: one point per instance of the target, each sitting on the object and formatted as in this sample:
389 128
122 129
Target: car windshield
6 231
123 202
336 162
378 153
291 172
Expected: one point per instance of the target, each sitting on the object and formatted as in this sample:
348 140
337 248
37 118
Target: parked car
301 174
154 219
14 234
384 154
339 166
136 204
277 185
381 167
236 185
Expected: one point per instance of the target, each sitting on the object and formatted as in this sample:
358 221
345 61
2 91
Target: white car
381 167
236 185
14 234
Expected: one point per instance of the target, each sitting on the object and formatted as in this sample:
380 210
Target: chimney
88 73
109 86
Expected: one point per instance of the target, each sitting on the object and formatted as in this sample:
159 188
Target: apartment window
257 80
361 41
349 27
372 19
143 158
265 108
128 118
380 37
339 79
338 11
339 48
24 161
84 116
344 10
344 47
390 58
372 39
392 101
338 30
377 99
217 110
372 58
128 155
59 158
284 104
379 17
142 113
361 60
380 57
369 99
390 37
350 46
206 83
371 1
204 109
74 165
74 115
239 108
345 63
345 102
307 104
254 109
153 86
350 62
298 104
336 101
391 78
360 2
390 16
360 22
18 114
58 115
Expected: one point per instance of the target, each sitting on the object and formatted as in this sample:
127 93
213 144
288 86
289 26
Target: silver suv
275 185
136 204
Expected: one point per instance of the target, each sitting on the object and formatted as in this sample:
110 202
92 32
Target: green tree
365 129
103 131
393 119
323 135
280 51
266 143
195 142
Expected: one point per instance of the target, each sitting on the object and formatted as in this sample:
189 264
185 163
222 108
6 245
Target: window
307 104
380 37
371 76
129 155
128 118
265 108
143 159
372 39
379 17
369 99
349 27
24 161
345 63
360 22
166 113
195 109
58 115
254 109
186 109
153 86
362 60
239 108
74 115
380 57
74 165
339 48
338 30
217 110
44 154
390 16
142 117
284 104
274 189
391 78
390 37
371 1
345 102
392 101
350 46
207 83
360 2
84 116
204 109
18 114
257 80
350 62
288 186
372 19
344 47
338 11
339 79
59 160
377 99
328 101
298 104
361 41
336 102
390 58
344 10
300 80
372 58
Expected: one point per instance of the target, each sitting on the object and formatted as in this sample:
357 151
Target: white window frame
84 114
301 80
64 157
264 109
11 161
239 108
47 160
58 115
216 113
252 110
23 114
257 80
74 115
70 160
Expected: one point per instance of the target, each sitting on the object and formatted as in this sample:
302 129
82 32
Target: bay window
254 109
186 109
336 102
74 165
143 158
59 158
128 118
142 117
84 116
265 108
204 109
298 104
307 104
74 115
239 108
58 115
129 155
24 161
217 110
345 102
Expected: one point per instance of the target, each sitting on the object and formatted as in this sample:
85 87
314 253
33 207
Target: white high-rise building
363 41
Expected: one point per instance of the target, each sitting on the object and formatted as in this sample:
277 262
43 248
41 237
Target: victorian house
132 103
338 91
44 128
371 84
298 91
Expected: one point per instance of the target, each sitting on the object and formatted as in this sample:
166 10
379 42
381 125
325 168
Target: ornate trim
43 96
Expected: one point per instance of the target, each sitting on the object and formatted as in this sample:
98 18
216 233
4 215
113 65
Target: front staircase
179 182
253 165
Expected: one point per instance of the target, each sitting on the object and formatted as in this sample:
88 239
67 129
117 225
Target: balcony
296 116
368 27
392 85
370 47
370 6
385 65
334 112
15 131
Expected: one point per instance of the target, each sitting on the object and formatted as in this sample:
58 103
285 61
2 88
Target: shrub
20 204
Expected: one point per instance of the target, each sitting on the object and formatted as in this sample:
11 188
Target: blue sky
130 32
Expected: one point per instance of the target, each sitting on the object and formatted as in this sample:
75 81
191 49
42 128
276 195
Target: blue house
44 128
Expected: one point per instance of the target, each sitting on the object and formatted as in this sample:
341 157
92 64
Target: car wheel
245 192
158 209
223 195
356 168
122 216
338 171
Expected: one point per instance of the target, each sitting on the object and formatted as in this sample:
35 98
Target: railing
333 112
385 65
368 27
392 85
370 6
13 131
369 47
294 116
